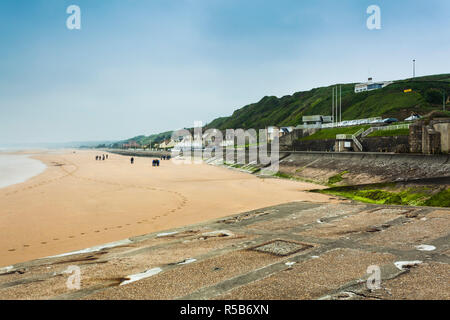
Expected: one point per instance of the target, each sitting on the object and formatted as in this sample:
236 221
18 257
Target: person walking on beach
103 158
132 160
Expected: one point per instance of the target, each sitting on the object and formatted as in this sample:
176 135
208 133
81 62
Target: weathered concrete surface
293 251
363 168
444 129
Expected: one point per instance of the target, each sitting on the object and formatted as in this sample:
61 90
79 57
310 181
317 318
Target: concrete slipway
293 251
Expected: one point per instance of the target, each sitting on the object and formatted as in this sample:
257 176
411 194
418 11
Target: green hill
391 101
144 140
426 96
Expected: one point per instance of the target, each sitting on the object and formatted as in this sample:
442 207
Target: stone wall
313 145
397 144
415 137
443 127
430 138
139 153
287 140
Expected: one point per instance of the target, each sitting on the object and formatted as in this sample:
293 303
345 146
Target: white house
370 85
317 120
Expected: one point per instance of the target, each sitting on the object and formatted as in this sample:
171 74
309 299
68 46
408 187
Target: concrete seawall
414 158
357 168
139 153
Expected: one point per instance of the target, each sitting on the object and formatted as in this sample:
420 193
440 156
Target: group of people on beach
101 158
155 162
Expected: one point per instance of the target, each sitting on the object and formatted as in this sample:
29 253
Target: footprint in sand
26 245
43 242
11 250
97 231
55 239
71 237
82 233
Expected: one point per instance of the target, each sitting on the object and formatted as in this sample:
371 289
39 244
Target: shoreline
18 168
79 203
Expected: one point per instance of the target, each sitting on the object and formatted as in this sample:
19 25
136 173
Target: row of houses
208 139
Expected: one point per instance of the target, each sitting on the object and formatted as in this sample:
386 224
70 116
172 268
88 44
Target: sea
18 168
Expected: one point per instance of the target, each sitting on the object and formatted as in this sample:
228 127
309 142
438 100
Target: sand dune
79 202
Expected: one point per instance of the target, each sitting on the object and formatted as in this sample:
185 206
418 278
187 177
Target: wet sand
15 168
78 202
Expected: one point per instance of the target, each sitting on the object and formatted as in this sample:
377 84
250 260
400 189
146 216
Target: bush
433 96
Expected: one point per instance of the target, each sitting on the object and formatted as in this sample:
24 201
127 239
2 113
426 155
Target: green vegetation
234 165
441 199
389 133
437 114
387 102
434 96
248 168
390 101
337 178
331 133
417 196
146 140
283 175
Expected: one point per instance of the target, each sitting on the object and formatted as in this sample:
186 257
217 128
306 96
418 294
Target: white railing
347 123
358 144
387 128
344 136
352 137
367 132
359 132
395 127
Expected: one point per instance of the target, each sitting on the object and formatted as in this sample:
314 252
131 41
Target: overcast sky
146 66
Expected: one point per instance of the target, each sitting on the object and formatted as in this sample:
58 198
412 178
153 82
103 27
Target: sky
147 66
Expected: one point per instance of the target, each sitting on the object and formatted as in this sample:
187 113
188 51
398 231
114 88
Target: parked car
390 120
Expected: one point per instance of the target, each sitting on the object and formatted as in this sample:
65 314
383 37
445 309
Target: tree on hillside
433 96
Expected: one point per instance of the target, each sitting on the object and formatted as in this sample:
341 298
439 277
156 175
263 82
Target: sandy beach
78 202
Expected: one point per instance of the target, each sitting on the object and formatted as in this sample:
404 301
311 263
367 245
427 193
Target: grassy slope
388 102
389 133
289 110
